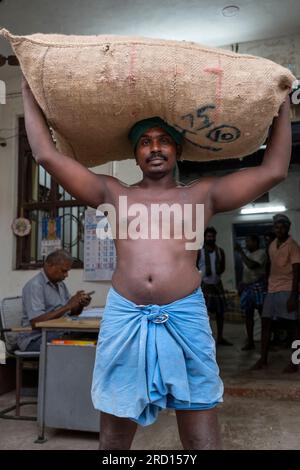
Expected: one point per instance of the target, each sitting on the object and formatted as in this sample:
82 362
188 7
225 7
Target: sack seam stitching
233 55
42 80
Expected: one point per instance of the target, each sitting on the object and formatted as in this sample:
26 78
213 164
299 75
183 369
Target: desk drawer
68 402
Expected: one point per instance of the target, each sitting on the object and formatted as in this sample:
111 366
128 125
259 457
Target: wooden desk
70 323
65 377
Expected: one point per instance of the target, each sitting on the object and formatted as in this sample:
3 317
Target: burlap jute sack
92 89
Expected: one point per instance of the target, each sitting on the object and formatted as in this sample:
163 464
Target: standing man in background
282 300
253 287
211 263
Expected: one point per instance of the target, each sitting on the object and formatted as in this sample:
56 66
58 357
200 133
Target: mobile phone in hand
90 293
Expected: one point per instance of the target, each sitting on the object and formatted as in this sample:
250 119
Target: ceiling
194 20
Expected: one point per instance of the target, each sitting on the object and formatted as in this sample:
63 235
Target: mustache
155 155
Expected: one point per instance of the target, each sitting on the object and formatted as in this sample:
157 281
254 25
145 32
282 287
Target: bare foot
260 364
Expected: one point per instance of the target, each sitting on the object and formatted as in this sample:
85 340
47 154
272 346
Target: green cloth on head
143 126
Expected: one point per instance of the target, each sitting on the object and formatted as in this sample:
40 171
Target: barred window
39 196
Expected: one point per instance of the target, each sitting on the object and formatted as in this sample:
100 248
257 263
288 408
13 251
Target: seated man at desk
46 297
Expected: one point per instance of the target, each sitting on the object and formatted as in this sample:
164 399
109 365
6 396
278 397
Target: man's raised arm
74 177
237 189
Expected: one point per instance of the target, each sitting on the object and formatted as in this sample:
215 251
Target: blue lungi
151 357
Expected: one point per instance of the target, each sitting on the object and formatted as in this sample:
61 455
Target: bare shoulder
112 182
115 187
200 193
202 186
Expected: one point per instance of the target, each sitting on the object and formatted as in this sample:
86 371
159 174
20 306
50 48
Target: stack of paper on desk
95 312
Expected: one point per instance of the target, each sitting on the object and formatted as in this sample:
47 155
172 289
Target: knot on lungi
154 313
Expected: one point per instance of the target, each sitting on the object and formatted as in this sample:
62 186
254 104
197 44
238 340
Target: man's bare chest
144 215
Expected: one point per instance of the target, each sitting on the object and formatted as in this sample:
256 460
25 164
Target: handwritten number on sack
199 114
189 117
200 119
224 134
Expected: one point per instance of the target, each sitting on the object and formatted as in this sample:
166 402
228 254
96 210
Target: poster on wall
51 235
99 254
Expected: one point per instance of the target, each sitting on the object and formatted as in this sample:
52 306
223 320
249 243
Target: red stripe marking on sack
218 96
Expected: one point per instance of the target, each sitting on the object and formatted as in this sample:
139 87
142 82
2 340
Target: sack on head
92 90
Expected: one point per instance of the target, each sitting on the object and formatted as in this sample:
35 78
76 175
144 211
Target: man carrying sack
155 347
